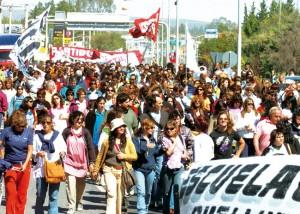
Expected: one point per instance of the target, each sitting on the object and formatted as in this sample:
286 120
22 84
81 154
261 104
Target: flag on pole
28 43
191 60
146 27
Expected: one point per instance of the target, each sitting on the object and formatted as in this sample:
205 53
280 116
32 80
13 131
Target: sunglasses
30 101
151 127
93 83
46 122
250 104
170 128
200 89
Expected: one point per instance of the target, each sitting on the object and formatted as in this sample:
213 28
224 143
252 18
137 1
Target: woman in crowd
117 149
95 119
224 138
203 144
31 116
47 144
16 100
246 124
59 113
81 102
8 89
110 97
175 154
79 159
147 150
17 141
278 146
40 105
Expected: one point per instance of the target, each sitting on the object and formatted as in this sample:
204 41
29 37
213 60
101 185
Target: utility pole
239 67
177 36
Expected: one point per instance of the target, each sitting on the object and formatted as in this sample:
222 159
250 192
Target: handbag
54 171
128 179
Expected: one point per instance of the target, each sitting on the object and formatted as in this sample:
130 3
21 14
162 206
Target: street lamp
177 36
239 67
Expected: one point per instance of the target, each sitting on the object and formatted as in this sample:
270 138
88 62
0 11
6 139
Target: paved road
94 201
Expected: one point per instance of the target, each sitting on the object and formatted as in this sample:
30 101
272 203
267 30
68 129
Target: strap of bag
288 148
117 147
155 122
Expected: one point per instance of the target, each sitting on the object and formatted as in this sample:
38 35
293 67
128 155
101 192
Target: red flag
146 27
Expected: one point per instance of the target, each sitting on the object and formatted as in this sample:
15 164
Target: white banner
29 42
258 185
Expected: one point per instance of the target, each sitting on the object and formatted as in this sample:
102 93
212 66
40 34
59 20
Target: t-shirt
16 145
224 143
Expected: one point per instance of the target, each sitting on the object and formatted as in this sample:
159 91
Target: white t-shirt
203 148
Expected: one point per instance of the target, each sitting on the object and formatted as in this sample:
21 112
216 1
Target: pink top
76 161
263 130
174 160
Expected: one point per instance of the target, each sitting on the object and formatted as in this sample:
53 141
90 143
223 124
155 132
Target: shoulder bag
54 171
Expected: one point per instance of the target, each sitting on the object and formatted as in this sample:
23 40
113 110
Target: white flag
191 61
29 42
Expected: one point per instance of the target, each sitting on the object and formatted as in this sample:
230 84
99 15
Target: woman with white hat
113 151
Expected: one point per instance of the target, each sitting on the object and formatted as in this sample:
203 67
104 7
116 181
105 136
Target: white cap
116 123
93 96
79 73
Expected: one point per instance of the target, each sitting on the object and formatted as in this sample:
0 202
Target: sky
200 10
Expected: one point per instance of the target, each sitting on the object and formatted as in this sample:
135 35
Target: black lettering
194 177
251 189
235 210
212 210
281 182
205 211
233 188
223 209
197 210
216 185
296 194
270 212
202 185
261 212
248 211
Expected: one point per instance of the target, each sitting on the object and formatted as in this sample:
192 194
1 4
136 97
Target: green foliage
102 6
107 41
270 37
65 6
222 24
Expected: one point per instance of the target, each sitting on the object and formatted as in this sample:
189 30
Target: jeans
156 190
41 191
172 179
144 182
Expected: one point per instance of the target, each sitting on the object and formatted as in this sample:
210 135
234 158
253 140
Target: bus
7 42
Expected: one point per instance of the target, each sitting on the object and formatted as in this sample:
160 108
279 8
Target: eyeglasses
151 127
110 90
222 118
250 104
92 83
170 128
46 122
30 101
19 88
200 89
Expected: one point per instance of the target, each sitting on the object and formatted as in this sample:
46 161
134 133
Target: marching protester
117 154
79 159
48 145
17 141
144 167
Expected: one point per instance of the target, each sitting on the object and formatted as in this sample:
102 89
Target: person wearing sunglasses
175 155
47 144
17 141
16 100
144 167
80 158
31 116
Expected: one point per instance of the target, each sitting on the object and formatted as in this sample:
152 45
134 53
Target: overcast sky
202 10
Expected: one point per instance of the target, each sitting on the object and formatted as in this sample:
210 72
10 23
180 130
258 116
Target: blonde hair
18 118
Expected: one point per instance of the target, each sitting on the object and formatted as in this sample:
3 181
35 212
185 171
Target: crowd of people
102 119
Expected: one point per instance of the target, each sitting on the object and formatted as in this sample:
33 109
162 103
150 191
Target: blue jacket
146 157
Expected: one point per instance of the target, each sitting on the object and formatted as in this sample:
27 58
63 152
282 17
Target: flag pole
177 36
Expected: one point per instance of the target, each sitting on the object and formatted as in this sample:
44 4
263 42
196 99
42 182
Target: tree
222 24
251 25
103 6
274 8
107 41
37 10
263 12
65 6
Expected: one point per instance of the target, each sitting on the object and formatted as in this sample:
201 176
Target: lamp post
177 36
239 67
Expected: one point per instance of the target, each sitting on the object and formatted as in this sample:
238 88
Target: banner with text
84 54
257 185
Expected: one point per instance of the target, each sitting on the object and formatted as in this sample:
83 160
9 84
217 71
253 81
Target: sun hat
116 123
